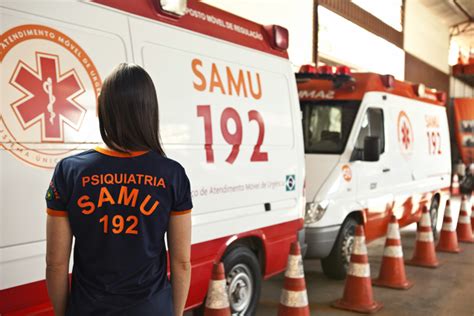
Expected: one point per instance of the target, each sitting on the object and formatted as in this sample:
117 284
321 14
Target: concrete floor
448 290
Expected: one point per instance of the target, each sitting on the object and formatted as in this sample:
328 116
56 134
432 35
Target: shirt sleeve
55 198
182 203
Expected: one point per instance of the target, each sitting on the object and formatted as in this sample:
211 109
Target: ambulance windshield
327 125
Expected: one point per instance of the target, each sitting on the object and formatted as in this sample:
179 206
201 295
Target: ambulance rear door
54 58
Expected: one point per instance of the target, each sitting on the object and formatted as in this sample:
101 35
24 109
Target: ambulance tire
336 264
434 208
241 266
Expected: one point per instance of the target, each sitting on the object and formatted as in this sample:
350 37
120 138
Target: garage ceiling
452 15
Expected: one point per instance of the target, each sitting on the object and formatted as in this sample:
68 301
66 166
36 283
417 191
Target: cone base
468 241
368 309
402 286
448 249
294 311
419 263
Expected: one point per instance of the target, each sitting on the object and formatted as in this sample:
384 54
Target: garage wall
459 89
296 16
425 36
344 42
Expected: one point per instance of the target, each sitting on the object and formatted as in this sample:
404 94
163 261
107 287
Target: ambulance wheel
243 279
434 216
336 264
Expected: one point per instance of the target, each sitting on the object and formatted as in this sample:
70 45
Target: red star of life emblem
406 135
49 97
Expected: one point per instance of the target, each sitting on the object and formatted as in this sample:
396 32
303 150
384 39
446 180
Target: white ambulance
229 113
375 146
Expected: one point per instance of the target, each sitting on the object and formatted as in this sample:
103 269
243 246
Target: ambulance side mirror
371 148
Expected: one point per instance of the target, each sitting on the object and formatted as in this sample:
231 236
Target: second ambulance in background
375 146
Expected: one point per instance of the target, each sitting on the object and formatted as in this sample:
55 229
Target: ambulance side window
372 125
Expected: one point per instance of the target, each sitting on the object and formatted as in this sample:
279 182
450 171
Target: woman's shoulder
167 162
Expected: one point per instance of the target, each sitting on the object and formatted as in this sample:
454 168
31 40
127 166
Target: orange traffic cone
472 218
472 211
464 229
455 185
425 254
217 302
294 299
392 270
448 239
358 294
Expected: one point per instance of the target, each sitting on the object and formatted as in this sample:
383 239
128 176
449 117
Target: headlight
315 211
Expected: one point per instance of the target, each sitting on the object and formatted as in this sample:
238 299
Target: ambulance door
374 177
55 59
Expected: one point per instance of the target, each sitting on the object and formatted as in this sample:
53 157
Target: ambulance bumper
320 240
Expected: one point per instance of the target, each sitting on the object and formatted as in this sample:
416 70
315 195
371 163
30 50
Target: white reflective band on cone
448 212
425 220
294 298
464 220
469 211
217 295
424 236
361 270
294 268
393 231
448 227
359 246
393 251
465 207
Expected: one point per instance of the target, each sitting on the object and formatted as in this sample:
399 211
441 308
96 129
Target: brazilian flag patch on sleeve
49 194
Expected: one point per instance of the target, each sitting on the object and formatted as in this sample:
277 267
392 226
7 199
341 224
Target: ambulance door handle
386 169
268 207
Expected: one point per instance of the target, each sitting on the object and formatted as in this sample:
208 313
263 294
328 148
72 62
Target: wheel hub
347 245
240 287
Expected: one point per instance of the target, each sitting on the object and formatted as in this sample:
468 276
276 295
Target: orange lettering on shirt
125 198
148 180
144 203
104 196
84 202
85 180
95 180
161 183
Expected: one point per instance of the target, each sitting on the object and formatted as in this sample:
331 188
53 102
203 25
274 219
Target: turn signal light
388 81
441 96
279 36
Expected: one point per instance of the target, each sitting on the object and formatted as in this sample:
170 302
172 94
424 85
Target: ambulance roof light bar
174 7
340 78
325 70
343 71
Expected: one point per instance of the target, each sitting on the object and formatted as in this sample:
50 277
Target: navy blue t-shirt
119 206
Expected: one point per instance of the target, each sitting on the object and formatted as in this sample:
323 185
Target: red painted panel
224 25
32 298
